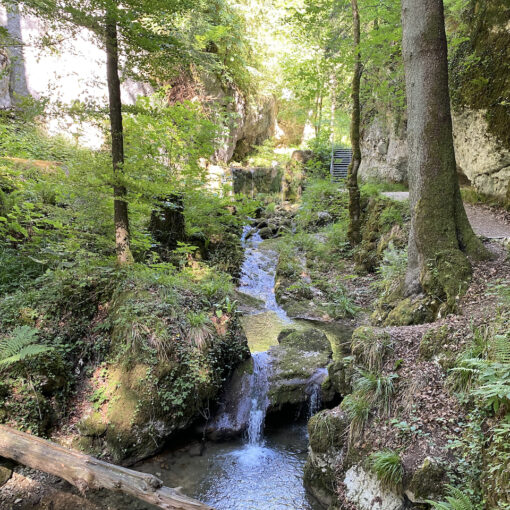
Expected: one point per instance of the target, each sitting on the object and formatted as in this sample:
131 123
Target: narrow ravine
263 469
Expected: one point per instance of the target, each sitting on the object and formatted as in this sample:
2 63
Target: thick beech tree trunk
120 206
354 231
441 235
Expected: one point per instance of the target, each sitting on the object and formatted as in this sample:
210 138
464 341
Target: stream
264 469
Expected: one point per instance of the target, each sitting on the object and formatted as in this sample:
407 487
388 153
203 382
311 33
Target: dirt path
485 221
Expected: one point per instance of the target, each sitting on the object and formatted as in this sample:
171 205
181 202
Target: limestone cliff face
5 97
77 71
481 157
384 152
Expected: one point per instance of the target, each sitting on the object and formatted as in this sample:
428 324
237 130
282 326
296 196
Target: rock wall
251 181
72 70
384 152
481 158
75 69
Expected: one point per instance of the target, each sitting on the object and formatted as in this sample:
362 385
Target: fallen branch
85 472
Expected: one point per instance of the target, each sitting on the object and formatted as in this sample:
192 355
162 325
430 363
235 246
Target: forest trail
485 221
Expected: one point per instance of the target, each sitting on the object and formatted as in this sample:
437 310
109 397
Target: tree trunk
120 206
86 472
354 232
441 235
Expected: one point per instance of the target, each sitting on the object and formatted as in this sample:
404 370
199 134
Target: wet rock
267 232
298 366
327 432
231 418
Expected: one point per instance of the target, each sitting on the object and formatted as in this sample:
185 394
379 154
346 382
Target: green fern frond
500 349
456 500
20 345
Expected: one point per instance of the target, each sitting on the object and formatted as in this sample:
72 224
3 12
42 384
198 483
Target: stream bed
239 475
263 470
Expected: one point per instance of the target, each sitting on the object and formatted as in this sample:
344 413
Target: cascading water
259 401
258 273
315 402
263 470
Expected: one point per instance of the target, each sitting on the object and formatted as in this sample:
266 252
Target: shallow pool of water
242 476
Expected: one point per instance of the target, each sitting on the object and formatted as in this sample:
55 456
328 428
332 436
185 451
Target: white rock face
365 491
5 98
75 71
480 156
482 159
384 153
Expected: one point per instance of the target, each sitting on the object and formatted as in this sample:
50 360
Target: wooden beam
85 472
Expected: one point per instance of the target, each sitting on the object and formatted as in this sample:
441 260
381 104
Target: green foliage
21 345
456 500
340 304
484 369
199 331
392 270
370 347
318 167
376 387
387 466
358 407
321 195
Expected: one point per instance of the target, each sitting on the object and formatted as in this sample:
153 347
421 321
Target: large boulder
384 152
481 157
298 368
327 431
255 180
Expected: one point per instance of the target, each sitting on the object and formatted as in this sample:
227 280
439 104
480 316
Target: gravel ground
486 221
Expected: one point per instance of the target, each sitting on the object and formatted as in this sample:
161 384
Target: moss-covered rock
92 425
338 381
412 311
298 365
427 482
308 340
327 431
383 223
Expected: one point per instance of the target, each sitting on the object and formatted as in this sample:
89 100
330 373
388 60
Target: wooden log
85 472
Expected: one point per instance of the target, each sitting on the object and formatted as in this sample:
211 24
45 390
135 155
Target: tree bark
354 231
86 472
441 235
120 206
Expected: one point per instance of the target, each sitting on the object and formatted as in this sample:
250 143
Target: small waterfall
258 394
315 401
258 273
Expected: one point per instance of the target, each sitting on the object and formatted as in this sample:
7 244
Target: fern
456 500
500 349
20 345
